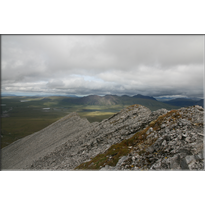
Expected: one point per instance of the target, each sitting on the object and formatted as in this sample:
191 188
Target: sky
153 65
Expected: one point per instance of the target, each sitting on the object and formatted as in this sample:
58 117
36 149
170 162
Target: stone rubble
177 145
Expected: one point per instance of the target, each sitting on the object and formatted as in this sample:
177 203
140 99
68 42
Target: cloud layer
110 64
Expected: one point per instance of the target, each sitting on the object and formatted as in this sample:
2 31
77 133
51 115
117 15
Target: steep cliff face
133 139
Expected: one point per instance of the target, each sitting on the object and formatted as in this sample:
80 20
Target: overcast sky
109 64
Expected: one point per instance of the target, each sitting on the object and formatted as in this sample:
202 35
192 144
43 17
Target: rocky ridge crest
174 141
133 139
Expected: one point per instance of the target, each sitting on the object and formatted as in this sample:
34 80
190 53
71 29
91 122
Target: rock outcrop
133 139
174 141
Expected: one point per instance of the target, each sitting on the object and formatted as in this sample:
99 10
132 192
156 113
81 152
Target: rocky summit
132 139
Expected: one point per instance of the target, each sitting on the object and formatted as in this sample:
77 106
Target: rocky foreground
133 139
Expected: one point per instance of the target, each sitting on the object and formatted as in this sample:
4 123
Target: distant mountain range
147 101
184 102
109 100
7 95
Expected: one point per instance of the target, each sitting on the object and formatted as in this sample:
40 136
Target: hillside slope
71 141
133 139
24 151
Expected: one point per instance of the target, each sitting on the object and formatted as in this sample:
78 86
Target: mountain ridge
109 100
128 140
147 101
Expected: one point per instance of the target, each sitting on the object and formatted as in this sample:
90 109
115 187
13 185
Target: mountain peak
143 97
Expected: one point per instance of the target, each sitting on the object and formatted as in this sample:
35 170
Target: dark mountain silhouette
143 97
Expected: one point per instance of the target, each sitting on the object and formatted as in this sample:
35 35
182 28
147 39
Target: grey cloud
157 50
152 65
